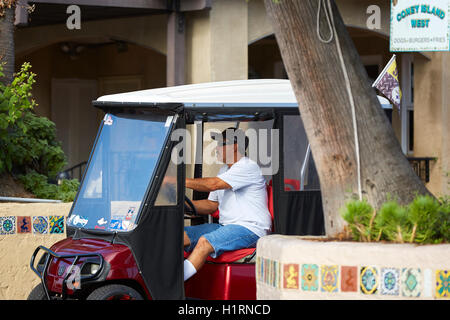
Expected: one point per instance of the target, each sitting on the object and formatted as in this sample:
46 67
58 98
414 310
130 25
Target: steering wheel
189 208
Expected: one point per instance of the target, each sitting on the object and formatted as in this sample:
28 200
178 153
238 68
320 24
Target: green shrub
15 100
442 226
424 220
359 215
392 221
29 145
36 149
423 214
38 185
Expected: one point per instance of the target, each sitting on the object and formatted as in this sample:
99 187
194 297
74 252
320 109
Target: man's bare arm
206 184
205 207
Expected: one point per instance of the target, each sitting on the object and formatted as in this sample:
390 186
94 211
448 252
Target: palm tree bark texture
317 78
7 14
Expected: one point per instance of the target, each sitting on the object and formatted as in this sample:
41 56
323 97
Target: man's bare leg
200 253
197 258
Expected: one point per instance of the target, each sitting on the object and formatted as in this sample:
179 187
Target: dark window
299 170
411 129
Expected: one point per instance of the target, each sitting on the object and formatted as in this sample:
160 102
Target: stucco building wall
16 278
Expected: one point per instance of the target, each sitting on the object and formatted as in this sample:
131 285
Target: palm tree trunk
7 43
315 72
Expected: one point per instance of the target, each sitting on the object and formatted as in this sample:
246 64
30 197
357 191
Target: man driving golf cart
239 192
124 231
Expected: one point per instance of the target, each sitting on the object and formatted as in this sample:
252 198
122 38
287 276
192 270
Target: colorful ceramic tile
266 270
269 271
56 224
310 277
411 282
40 225
427 283
390 281
261 270
290 276
329 278
258 268
442 283
8 225
368 280
274 271
349 279
24 224
278 280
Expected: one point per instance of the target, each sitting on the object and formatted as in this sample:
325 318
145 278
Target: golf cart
125 227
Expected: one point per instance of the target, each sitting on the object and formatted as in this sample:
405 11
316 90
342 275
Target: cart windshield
119 172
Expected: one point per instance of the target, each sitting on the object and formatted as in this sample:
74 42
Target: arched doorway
72 73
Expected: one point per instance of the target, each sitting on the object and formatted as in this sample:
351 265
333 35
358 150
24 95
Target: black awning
52 13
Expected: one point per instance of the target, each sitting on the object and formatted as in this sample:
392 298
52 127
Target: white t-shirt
245 203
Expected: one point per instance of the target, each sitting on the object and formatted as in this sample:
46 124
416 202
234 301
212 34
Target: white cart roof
255 92
238 91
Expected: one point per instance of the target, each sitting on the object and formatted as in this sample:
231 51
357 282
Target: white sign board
422 25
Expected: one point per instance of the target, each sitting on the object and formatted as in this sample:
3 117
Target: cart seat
241 255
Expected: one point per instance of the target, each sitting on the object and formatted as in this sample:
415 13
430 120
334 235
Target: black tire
114 292
37 293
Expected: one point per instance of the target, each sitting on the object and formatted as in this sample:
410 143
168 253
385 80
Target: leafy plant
359 215
38 184
393 222
423 213
37 148
15 100
424 220
29 145
442 229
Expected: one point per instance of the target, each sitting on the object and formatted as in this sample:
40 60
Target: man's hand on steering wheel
189 208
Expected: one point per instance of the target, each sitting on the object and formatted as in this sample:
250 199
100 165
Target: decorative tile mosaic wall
38 225
366 280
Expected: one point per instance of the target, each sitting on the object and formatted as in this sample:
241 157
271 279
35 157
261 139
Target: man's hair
232 136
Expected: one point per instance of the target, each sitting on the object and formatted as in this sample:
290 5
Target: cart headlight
90 269
41 263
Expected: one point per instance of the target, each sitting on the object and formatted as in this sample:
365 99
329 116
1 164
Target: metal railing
421 166
69 173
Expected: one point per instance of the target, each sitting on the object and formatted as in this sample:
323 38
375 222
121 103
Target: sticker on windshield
116 224
108 120
79 221
168 121
121 225
130 213
101 224
102 221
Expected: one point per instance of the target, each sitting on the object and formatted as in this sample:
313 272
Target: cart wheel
114 292
37 293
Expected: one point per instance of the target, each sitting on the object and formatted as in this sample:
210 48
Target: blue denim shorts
222 238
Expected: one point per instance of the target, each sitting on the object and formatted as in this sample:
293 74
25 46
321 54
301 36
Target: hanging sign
420 25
